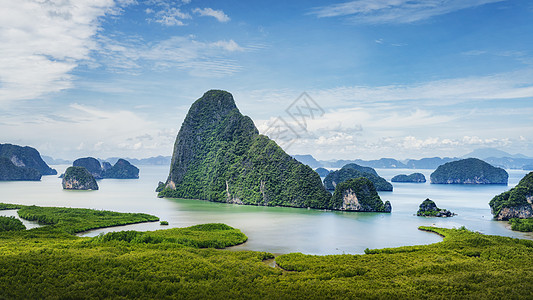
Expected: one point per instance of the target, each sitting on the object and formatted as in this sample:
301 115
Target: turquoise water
279 229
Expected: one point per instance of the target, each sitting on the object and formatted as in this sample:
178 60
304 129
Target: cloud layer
394 11
42 42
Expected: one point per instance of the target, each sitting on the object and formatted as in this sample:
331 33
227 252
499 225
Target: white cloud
395 11
171 16
42 42
87 130
201 59
209 12
228 45
511 85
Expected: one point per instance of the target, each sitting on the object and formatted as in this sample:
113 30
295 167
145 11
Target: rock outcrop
122 170
79 178
415 177
220 156
358 194
469 171
92 165
351 171
9 171
428 208
26 157
515 203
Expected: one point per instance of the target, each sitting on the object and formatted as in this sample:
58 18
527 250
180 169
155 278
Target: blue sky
392 78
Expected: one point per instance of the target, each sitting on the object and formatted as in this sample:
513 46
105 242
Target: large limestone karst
26 157
351 171
220 156
515 203
469 171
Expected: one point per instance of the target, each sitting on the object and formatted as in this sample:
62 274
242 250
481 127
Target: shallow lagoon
280 229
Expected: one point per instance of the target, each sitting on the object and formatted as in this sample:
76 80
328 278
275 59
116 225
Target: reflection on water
281 229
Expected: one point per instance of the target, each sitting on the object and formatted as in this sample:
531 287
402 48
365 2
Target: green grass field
183 263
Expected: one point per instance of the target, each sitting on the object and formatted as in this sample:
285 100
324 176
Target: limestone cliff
9 171
26 157
358 194
92 165
121 170
78 178
515 203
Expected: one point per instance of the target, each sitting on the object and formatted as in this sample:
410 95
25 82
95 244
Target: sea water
280 229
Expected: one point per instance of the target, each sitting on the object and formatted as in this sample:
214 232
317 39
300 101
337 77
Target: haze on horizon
394 78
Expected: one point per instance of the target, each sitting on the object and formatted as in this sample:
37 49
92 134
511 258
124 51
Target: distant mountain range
493 156
485 153
157 160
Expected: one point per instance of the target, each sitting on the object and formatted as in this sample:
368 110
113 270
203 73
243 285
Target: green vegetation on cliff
9 171
469 171
515 203
351 171
415 177
220 156
428 208
78 178
91 164
358 194
168 264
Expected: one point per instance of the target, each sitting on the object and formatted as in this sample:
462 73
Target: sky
335 79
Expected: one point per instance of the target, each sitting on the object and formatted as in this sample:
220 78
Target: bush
11 224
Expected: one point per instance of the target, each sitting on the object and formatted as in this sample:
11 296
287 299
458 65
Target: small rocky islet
358 194
428 208
78 178
415 178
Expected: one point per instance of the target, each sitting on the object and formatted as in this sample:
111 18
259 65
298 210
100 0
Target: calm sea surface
278 229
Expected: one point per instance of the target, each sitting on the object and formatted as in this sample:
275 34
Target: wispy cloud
42 42
394 11
171 16
201 59
209 12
